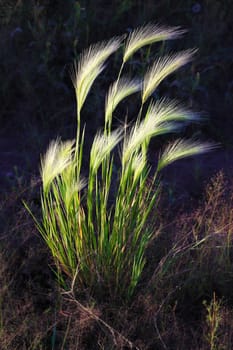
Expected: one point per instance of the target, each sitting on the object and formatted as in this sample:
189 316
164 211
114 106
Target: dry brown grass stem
116 335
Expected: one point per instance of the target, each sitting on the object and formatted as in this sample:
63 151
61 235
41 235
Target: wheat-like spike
149 34
117 92
165 110
90 65
83 87
73 188
142 132
161 69
138 165
182 149
56 159
138 134
102 146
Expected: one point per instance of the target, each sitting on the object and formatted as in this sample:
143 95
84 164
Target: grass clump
97 229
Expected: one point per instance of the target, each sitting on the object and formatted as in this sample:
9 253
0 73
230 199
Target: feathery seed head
56 159
90 65
117 92
161 69
149 34
72 189
138 165
181 149
138 134
82 87
102 146
143 131
166 110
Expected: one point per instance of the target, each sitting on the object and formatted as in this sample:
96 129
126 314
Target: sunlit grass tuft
97 229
